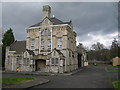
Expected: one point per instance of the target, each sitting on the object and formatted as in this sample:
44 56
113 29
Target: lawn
16 80
118 66
116 84
113 70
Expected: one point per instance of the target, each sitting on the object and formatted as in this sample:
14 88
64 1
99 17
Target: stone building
50 46
82 56
116 61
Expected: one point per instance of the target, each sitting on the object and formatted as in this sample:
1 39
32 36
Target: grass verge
16 80
113 70
118 66
116 85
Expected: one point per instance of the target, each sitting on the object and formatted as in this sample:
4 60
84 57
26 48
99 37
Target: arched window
45 32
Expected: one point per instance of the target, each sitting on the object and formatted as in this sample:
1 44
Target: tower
46 11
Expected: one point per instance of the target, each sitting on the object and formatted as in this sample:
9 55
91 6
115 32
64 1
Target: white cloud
104 39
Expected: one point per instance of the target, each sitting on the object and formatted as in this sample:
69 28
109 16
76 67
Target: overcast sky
92 21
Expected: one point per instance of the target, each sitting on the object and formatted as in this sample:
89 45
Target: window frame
59 43
32 44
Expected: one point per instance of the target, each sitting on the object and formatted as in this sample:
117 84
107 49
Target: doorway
79 60
40 65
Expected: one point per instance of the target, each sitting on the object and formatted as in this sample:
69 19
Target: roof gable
46 21
58 52
54 21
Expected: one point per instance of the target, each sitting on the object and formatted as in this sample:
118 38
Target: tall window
42 44
8 59
52 60
49 44
32 44
56 61
59 43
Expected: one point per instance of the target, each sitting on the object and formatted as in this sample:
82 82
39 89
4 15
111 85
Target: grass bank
16 80
116 85
113 70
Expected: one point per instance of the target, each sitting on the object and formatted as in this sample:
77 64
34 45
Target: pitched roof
54 20
18 46
59 52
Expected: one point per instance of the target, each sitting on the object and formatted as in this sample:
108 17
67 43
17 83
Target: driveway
91 77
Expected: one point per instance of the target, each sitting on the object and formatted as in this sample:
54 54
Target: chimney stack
46 11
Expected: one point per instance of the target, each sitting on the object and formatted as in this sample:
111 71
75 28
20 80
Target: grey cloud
0 15
99 18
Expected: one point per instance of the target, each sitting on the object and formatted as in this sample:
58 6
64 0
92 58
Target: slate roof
18 46
54 20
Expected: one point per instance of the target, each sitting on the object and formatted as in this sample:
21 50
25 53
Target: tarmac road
91 77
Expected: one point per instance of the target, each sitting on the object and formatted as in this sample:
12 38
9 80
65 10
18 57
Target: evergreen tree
7 40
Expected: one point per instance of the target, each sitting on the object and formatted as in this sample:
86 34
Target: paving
43 73
90 77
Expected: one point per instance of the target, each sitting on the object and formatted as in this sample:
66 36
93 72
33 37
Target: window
59 43
42 44
26 61
32 44
56 61
52 60
73 54
48 32
26 54
45 32
69 54
49 44
8 59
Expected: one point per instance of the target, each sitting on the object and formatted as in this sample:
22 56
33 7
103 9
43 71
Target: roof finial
53 16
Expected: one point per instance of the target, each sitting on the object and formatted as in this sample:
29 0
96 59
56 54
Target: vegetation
118 66
16 80
100 53
116 84
7 40
113 70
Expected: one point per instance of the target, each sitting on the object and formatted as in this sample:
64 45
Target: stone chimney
46 11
